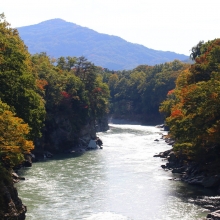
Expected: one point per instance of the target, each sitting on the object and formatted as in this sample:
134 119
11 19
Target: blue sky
168 25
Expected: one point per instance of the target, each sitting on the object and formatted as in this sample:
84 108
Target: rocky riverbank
194 174
61 141
11 205
190 172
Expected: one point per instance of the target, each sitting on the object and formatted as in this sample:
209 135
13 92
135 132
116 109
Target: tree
66 63
13 137
18 84
196 50
192 107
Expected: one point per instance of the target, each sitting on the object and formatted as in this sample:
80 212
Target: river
123 181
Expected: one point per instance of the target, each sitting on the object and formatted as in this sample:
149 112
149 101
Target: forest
192 108
37 89
137 94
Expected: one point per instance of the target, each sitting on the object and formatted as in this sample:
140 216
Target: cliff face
87 133
59 138
102 124
63 135
11 207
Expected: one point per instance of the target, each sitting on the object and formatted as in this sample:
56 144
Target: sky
167 25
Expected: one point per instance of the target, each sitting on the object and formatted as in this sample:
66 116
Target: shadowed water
121 182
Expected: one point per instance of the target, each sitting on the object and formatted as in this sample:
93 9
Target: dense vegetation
35 92
192 108
35 89
18 94
137 94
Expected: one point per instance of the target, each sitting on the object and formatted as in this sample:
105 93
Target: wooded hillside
192 108
59 38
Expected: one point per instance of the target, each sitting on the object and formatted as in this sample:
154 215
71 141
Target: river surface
123 181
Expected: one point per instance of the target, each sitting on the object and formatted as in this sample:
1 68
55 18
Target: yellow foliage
214 96
13 131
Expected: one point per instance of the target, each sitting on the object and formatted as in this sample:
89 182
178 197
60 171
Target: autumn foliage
13 137
35 90
193 110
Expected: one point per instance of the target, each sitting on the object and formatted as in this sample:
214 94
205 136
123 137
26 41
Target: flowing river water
121 182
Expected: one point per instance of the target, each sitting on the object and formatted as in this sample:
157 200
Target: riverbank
194 173
81 185
11 205
122 179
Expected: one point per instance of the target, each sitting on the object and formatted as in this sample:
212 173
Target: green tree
196 50
18 84
192 107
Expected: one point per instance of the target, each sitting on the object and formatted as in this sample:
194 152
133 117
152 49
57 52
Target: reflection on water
121 182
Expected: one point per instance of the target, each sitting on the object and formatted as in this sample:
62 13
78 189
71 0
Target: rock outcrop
102 124
189 171
194 174
63 136
60 138
11 207
214 215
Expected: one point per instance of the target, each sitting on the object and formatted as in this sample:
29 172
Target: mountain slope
58 38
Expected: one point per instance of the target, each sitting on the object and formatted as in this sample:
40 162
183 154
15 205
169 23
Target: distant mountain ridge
59 38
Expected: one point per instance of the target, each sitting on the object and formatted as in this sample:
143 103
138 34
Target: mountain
59 38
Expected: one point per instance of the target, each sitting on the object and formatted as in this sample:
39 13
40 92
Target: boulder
160 126
12 208
27 163
214 215
28 160
157 155
178 170
14 175
92 144
211 181
163 154
171 156
197 180
16 178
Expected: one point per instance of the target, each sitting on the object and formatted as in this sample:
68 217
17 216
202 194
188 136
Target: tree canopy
18 85
36 90
13 137
192 107
139 92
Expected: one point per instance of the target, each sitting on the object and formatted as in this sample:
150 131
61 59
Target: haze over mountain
59 38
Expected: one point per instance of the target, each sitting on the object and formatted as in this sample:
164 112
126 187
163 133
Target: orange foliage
41 83
176 113
97 90
65 94
201 59
214 96
170 92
